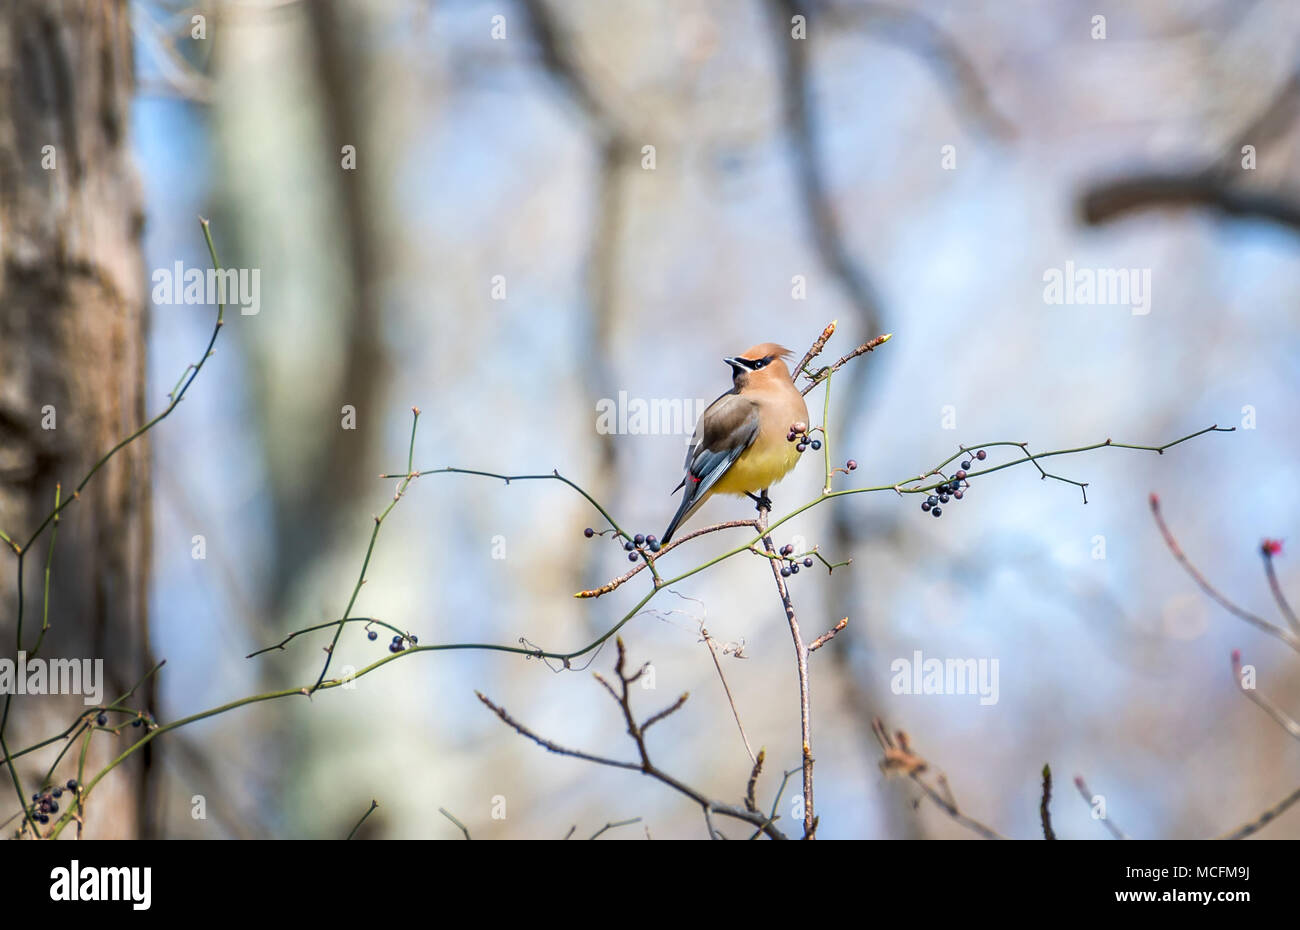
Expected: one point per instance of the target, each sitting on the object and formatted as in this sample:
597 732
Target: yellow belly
758 468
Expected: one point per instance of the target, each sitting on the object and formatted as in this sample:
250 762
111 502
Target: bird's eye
760 363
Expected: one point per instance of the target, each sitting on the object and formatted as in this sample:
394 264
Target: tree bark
72 355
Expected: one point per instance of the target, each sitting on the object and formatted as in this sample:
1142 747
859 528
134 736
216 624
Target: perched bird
740 445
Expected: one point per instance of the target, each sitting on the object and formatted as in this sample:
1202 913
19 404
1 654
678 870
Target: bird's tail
688 507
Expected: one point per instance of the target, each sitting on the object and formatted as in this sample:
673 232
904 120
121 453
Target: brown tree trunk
72 348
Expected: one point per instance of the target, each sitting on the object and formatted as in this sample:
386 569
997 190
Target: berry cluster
637 544
398 643
952 489
792 562
799 433
45 803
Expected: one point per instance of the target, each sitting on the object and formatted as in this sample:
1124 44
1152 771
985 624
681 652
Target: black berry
981 455
926 505
932 500
372 636
629 546
785 571
71 785
965 464
936 511
631 556
807 563
102 720
794 569
639 539
816 444
802 447
654 544
136 722
589 532
413 639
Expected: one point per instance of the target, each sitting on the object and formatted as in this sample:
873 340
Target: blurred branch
914 31
1281 717
446 813
1263 820
1211 187
1088 796
1253 619
1269 549
900 759
1110 200
637 731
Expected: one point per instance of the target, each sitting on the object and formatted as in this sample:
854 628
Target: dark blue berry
414 639
816 444
936 511
802 447
965 464
631 556
654 544
102 720
589 532
629 546
926 505
42 818
71 785
57 792
932 500
785 571
136 722
372 636
943 498
807 563
639 539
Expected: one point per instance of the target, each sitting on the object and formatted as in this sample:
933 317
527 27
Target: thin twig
446 813
637 733
373 805
801 665
1044 806
708 641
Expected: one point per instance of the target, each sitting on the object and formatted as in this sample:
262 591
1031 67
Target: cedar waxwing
740 446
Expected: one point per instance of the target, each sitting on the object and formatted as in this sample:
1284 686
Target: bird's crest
766 349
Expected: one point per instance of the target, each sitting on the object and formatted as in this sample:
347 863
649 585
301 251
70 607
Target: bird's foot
761 499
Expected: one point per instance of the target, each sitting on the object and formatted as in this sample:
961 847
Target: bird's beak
735 364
